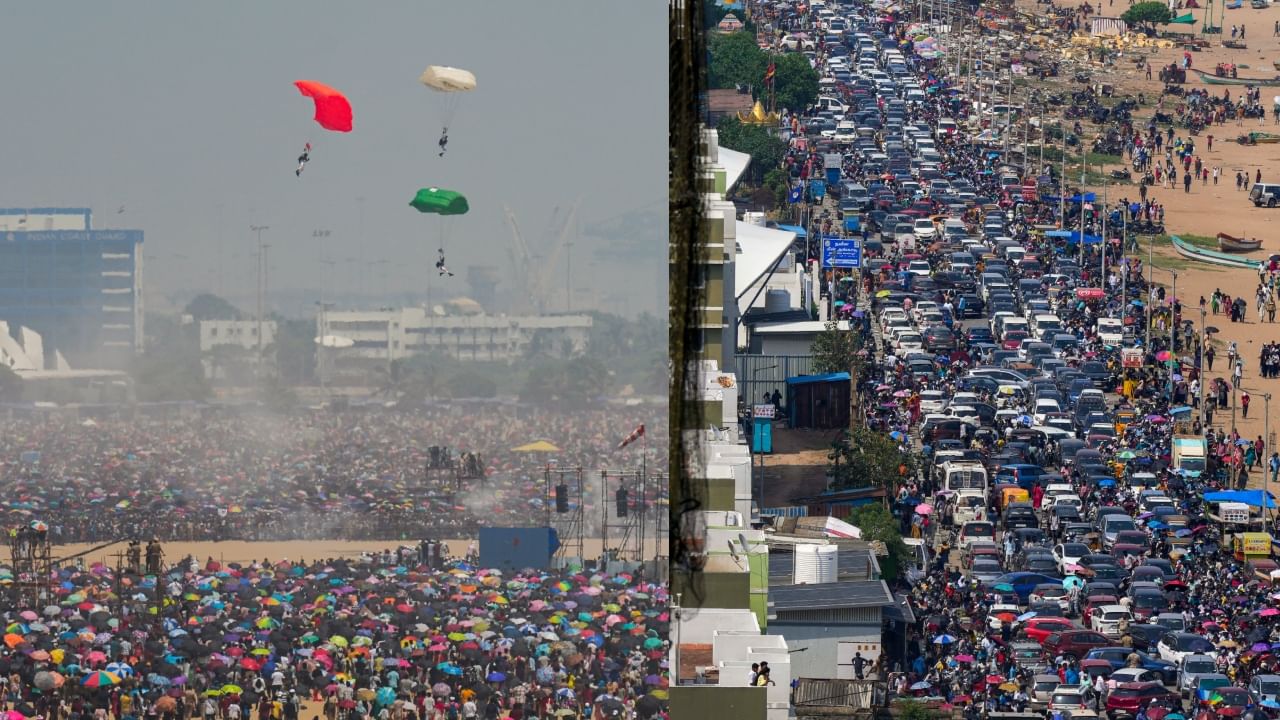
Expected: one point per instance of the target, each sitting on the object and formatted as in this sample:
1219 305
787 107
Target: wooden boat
1228 243
1211 79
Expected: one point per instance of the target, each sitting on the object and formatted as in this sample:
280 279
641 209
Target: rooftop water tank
815 564
777 301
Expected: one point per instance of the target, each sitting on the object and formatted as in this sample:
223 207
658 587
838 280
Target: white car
1127 675
1174 646
919 268
1044 406
1106 619
922 307
932 401
924 229
909 341
1066 554
996 623
1059 595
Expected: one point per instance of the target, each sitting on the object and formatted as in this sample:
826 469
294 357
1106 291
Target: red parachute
333 111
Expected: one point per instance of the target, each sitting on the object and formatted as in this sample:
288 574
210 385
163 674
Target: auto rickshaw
1124 416
1011 494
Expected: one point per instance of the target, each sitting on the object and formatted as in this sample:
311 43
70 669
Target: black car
1040 563
1020 516
974 306
979 334
938 339
1095 371
1146 636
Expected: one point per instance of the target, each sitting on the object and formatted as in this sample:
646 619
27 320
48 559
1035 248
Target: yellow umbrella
883 293
538 446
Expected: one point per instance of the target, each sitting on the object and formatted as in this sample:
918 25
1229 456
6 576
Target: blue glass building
80 288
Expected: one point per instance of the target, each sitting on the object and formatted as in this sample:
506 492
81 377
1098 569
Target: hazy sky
186 115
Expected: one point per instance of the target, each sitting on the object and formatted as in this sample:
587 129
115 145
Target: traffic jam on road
1089 543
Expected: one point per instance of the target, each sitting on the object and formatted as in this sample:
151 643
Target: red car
1073 643
1039 628
1128 698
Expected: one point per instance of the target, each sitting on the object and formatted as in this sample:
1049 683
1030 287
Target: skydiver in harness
440 264
303 159
444 140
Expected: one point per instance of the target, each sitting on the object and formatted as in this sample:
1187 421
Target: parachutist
440 265
303 159
444 140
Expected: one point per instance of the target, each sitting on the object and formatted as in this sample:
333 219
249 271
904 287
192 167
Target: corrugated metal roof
811 692
827 596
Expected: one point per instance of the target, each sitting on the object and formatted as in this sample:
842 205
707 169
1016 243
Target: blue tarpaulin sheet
1248 497
1074 236
828 377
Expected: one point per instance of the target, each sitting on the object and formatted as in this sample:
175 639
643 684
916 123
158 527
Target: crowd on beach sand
402 634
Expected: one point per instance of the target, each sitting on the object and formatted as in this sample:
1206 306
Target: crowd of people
359 475
403 634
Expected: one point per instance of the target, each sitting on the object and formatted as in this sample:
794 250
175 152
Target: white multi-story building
397 333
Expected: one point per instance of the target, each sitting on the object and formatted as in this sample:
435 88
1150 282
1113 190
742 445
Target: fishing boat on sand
1228 243
1211 79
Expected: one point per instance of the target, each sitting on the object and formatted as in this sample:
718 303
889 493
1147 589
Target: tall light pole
1173 331
1266 434
262 263
1200 370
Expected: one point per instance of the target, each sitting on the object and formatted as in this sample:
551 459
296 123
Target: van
832 104
1265 194
1043 324
919 565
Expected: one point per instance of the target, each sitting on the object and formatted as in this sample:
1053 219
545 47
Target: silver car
1265 689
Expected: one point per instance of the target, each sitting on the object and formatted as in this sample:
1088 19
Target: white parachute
452 82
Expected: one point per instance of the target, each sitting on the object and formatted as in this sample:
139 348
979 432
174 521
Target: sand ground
308 550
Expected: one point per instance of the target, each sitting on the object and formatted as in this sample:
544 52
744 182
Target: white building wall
242 333
33 220
379 335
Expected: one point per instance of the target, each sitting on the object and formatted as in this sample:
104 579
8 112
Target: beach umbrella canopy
100 678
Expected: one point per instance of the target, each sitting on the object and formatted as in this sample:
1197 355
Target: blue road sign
841 253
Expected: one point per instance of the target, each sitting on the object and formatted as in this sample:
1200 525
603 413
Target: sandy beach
1208 208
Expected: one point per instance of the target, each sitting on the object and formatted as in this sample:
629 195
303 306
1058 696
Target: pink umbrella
964 658
924 509
1269 612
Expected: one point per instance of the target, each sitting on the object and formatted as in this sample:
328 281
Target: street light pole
1200 370
1173 331
1266 434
